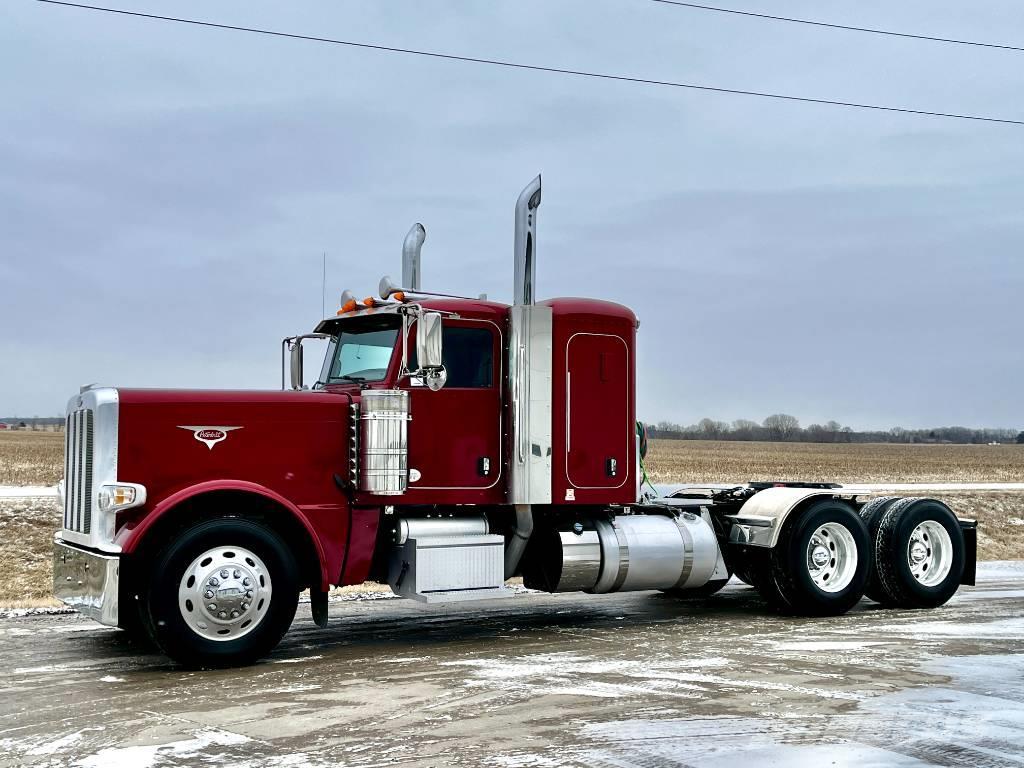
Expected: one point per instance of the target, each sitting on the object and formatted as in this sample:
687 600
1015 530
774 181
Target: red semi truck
449 444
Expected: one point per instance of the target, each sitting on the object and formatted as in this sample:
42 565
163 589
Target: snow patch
58 745
146 756
20 613
298 688
828 645
297 660
574 675
929 630
27 491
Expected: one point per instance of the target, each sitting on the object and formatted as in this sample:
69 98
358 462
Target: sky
167 193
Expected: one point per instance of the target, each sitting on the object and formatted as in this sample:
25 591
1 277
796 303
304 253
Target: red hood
290 442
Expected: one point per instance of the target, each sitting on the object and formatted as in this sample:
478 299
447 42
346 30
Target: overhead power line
813 23
534 67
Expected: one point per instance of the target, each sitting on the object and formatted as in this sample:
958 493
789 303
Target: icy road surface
620 680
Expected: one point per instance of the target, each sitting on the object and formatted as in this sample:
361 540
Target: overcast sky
166 192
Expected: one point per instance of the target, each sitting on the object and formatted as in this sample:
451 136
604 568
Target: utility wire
533 67
813 23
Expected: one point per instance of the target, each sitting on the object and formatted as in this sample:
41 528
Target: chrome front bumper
86 581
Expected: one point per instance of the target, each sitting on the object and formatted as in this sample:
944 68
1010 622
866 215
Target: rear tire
821 563
920 553
872 514
252 605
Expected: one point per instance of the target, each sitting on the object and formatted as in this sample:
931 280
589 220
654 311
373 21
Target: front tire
223 593
821 563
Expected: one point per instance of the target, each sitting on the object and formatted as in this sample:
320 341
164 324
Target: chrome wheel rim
832 557
930 553
225 593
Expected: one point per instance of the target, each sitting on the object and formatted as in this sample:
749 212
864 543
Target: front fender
129 538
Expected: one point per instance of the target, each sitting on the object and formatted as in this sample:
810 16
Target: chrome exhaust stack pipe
530 383
526 243
411 258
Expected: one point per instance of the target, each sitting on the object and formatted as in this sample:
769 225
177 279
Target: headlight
121 496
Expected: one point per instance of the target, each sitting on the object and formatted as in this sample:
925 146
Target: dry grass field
31 458
705 461
27 458
26 551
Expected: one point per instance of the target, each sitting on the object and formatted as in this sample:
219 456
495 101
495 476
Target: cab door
455 433
597 396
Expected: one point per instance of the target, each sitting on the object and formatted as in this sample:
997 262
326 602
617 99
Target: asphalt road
619 680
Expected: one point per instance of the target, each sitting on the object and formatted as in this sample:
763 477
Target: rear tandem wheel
919 552
820 565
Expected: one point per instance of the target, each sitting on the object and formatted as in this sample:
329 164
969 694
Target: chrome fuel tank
626 554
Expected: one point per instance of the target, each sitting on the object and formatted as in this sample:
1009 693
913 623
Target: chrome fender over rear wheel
222 593
821 563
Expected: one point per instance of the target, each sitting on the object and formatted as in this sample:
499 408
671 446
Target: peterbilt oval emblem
209 435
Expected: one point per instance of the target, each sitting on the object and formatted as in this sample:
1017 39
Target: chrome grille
78 456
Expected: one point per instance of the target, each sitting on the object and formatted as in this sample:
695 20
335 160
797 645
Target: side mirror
428 341
435 378
296 364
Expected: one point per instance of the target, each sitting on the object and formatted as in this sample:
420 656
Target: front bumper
86 581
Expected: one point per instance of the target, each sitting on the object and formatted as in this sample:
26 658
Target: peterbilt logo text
209 435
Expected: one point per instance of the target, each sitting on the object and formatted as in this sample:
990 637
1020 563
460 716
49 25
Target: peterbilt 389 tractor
449 445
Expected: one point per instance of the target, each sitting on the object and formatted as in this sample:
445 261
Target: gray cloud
166 193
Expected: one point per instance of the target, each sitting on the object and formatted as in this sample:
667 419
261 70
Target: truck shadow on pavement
404 628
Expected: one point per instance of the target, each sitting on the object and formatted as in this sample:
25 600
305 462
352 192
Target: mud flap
970 531
318 603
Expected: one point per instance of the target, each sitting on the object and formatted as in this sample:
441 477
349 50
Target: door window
468 357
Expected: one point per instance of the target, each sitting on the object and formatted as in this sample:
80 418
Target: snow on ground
27 491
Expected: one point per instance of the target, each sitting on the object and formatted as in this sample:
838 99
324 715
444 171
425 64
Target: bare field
26 551
34 458
31 458
27 526
706 461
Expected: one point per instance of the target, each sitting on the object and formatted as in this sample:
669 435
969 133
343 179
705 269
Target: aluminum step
462 595
438 569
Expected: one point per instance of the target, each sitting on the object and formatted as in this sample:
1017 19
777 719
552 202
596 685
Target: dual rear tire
900 552
918 549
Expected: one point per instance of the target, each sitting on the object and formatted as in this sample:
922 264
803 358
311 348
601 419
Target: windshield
359 354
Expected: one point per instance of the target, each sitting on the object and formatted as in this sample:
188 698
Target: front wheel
820 565
223 593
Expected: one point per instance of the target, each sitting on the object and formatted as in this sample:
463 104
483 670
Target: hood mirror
296 364
292 345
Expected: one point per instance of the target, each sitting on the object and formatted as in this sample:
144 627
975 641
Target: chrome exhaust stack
526 243
529 367
411 258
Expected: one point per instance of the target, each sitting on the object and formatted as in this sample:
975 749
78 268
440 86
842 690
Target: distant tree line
782 427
